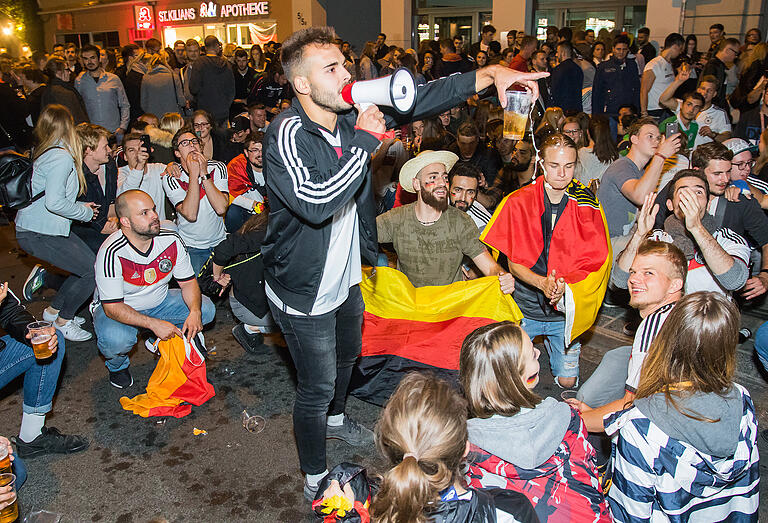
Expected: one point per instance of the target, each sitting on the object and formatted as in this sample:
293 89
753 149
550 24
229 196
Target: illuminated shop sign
212 10
144 17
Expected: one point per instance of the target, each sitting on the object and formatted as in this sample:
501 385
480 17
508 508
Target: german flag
407 328
178 382
579 251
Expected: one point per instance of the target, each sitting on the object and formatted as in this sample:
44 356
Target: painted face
463 192
529 362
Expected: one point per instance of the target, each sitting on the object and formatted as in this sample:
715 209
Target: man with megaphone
322 218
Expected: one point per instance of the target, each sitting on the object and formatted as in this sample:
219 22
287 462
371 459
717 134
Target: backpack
16 181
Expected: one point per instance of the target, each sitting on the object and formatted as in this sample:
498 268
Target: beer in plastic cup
568 395
10 513
5 459
516 114
41 333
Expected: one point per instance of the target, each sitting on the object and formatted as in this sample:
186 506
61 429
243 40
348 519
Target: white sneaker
47 316
73 332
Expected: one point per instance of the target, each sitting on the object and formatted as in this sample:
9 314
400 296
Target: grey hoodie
161 91
716 439
526 439
212 84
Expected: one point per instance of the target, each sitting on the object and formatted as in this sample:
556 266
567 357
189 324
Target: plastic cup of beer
516 114
5 459
41 333
569 394
10 513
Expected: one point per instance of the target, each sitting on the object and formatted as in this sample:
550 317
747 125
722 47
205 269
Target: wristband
661 156
762 271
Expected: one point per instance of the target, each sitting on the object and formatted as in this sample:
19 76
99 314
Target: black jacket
94 193
242 251
14 319
59 92
615 84
566 81
716 68
244 82
308 183
213 86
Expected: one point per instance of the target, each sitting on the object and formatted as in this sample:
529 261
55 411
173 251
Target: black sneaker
744 334
34 282
350 432
121 379
253 343
310 491
51 441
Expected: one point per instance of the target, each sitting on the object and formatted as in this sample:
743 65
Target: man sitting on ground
247 188
133 269
430 237
463 182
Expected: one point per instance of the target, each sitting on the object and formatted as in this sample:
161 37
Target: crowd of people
167 179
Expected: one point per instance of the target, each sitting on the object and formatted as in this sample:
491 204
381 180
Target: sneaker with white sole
47 316
34 282
350 432
73 332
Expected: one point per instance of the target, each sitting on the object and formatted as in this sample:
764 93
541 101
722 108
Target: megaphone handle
364 106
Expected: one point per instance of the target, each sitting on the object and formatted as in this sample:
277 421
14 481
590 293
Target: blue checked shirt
105 100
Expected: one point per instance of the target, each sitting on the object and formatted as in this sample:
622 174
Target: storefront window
583 19
449 26
634 18
542 19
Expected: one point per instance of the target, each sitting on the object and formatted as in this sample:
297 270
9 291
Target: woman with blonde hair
686 450
752 80
43 227
161 88
519 441
171 122
422 432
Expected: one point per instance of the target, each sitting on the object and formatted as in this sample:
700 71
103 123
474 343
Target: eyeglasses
257 150
743 165
573 133
188 142
201 125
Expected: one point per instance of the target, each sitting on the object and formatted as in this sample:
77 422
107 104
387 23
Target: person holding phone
139 173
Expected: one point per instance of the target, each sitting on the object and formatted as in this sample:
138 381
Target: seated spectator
515 174
246 275
572 129
463 182
43 228
133 270
556 231
685 116
553 119
595 159
624 185
430 237
468 149
198 191
687 449
751 122
245 179
520 442
40 382
654 272
423 434
718 257
270 88
139 173
100 171
714 123
257 113
214 144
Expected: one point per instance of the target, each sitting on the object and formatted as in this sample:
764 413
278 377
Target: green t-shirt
430 254
690 133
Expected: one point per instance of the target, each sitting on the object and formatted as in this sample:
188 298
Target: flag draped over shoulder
579 251
407 328
178 382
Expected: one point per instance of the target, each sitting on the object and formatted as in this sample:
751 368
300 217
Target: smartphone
673 128
145 142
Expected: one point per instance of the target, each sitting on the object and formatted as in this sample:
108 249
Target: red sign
145 17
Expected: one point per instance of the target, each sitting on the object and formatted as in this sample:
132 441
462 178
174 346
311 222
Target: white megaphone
397 90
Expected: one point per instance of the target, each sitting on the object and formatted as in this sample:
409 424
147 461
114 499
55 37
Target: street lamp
8 30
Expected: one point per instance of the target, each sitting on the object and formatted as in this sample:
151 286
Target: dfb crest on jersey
165 265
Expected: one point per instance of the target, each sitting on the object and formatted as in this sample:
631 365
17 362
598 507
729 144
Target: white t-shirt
151 182
140 280
645 334
665 75
699 277
716 119
208 231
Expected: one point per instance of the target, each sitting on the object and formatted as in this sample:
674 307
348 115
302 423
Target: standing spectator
598 53
367 65
128 53
211 82
540 64
551 39
469 149
596 158
716 37
161 88
644 45
567 80
752 122
716 66
43 227
616 83
245 76
73 64
178 59
136 69
61 91
752 81
199 194
34 83
193 53
451 62
103 94
481 59
257 61
213 141
486 36
658 74
527 48
380 49
580 45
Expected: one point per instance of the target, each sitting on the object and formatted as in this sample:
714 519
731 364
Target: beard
328 100
461 205
438 204
518 167
152 230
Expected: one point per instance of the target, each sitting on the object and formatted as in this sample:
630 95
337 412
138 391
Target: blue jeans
198 257
324 349
235 217
40 379
115 340
607 383
20 470
761 345
563 361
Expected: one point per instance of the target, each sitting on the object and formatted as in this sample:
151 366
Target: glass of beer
10 513
516 114
5 459
41 333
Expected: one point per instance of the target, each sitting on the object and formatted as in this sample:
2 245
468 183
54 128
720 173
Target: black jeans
324 349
